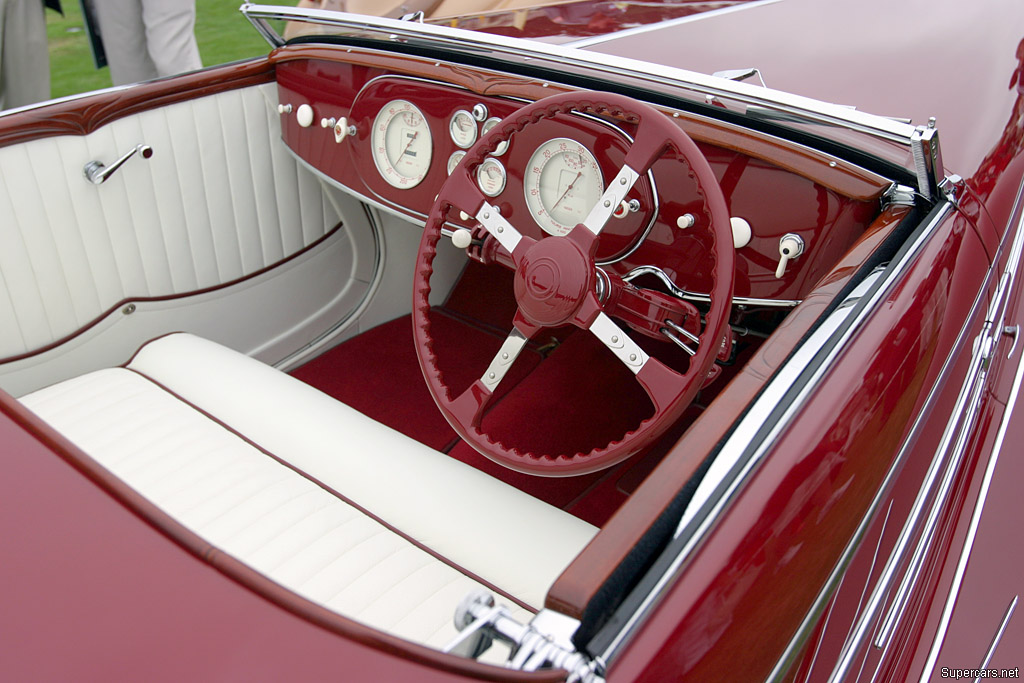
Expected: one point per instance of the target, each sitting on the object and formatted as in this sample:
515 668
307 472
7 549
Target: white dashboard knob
304 115
790 246
462 238
741 232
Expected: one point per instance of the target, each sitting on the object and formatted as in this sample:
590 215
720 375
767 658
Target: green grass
223 34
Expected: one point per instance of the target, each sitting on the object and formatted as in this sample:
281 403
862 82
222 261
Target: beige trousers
24 58
146 39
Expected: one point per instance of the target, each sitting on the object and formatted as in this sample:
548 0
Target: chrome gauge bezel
486 128
383 137
462 136
485 173
454 160
540 200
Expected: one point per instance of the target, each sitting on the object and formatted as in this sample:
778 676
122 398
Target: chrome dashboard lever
96 173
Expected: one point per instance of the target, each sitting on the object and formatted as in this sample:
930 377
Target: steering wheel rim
555 284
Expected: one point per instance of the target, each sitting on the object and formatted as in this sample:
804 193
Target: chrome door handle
96 173
1012 331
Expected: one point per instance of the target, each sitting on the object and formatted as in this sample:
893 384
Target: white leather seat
316 496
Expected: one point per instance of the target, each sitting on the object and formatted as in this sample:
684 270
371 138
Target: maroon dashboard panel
338 98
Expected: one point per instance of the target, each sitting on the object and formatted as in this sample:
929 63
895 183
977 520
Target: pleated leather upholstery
148 424
220 198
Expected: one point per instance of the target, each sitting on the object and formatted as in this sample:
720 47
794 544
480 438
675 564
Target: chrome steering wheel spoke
503 360
499 227
624 348
615 194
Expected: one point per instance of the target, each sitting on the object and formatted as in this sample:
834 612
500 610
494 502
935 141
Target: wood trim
253 581
82 115
848 180
582 580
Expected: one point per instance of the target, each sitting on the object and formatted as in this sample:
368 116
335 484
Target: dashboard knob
462 238
790 246
343 129
284 108
741 232
304 115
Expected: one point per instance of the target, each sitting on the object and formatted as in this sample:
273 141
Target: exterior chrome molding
459 40
1013 263
969 397
791 387
999 633
951 451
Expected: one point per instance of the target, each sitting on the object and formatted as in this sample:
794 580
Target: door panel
221 201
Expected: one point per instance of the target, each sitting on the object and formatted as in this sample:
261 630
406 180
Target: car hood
957 68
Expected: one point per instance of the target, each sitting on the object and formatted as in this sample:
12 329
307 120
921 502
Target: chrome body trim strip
443 37
950 454
984 349
1010 609
745 448
979 364
997 321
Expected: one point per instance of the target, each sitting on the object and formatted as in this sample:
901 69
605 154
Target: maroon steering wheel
555 283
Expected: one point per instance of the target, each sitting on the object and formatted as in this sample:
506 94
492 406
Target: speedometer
401 144
562 184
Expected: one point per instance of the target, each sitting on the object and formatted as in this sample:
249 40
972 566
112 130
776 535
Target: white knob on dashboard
304 115
341 129
462 238
790 246
685 221
741 232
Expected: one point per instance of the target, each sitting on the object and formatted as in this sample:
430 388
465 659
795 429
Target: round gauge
562 184
463 128
486 128
454 160
401 144
490 176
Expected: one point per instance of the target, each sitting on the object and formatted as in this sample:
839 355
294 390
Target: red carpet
566 393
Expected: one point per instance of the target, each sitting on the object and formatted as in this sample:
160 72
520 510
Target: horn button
552 280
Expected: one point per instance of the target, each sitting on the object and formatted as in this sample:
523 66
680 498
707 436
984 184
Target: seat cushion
319 498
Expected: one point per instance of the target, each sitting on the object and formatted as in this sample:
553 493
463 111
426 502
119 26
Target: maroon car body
861 508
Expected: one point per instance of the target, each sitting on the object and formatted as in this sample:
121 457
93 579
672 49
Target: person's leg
124 40
170 35
24 56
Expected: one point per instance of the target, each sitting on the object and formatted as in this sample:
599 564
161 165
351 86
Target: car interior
268 326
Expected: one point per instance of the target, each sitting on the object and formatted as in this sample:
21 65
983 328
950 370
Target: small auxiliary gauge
454 160
490 176
462 128
488 125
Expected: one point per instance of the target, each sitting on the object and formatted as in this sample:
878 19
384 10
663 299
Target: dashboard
393 139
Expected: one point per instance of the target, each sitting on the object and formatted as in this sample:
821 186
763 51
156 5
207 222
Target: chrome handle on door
96 173
1012 331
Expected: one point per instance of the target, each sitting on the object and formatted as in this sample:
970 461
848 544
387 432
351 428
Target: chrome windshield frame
804 109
